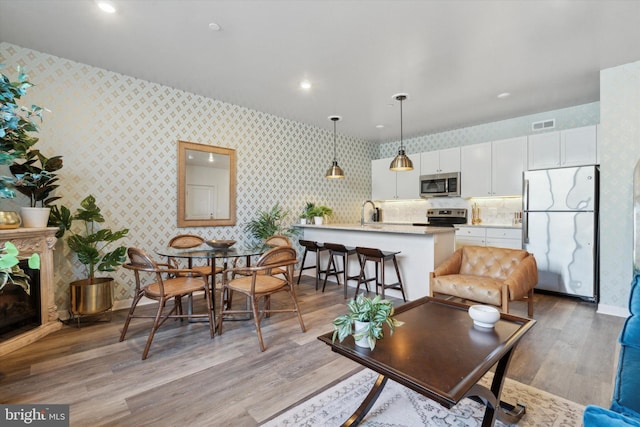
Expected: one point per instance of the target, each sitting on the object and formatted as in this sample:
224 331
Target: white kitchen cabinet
387 185
489 236
493 168
504 237
508 161
578 146
440 161
571 147
475 236
475 170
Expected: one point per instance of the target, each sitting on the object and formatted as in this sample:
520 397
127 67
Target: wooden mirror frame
183 146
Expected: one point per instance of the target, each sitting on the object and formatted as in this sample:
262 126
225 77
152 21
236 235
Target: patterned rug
398 406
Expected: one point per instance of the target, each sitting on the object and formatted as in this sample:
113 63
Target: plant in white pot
364 321
36 179
320 212
93 294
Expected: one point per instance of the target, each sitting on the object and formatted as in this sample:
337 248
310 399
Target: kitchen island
421 250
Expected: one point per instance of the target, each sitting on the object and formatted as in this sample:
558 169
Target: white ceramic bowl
484 316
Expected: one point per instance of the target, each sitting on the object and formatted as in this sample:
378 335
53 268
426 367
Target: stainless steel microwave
441 184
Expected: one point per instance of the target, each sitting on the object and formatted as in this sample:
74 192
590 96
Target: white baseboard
613 310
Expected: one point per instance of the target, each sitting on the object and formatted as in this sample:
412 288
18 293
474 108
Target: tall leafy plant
91 243
16 125
269 223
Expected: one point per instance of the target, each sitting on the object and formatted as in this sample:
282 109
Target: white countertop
519 226
381 227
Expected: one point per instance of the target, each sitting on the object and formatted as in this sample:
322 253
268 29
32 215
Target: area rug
398 406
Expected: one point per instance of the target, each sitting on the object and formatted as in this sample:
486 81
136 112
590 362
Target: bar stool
336 249
311 246
378 257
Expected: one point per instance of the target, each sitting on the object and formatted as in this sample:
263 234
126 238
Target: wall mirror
206 185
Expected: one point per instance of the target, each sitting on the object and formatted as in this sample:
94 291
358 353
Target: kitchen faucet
362 210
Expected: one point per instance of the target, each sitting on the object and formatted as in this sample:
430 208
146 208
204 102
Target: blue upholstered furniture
625 406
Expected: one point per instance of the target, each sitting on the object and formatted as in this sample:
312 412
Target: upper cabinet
493 168
508 161
475 171
571 147
440 161
386 184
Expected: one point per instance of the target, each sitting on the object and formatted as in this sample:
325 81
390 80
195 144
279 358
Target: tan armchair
487 275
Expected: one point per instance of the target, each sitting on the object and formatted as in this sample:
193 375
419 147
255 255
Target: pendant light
334 171
401 162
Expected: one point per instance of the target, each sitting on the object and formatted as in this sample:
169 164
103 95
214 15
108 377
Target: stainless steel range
444 217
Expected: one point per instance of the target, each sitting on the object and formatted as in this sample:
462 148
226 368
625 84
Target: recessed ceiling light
379 126
107 6
214 27
305 84
504 95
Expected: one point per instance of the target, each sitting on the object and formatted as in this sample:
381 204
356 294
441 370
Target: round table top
206 251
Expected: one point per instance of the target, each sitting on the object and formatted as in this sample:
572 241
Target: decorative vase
362 342
303 221
34 217
318 220
9 220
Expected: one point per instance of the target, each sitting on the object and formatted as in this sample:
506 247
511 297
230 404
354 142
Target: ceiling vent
544 124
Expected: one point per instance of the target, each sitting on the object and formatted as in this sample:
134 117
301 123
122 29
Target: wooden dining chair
170 284
258 283
188 241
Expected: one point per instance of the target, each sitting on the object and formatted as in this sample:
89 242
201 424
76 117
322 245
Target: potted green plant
320 212
306 216
16 124
364 320
35 178
269 223
93 294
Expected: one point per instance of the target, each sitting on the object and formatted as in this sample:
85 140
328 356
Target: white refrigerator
560 228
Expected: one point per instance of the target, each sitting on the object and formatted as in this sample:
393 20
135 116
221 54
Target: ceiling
452 57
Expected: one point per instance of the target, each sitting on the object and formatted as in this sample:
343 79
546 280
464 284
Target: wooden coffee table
439 353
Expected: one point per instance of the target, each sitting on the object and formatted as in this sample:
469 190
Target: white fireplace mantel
40 241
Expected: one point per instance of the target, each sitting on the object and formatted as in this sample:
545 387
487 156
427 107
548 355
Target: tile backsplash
493 211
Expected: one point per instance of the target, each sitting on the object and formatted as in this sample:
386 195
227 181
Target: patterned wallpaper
118 136
620 152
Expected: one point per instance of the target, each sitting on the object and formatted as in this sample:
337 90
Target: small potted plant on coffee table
364 321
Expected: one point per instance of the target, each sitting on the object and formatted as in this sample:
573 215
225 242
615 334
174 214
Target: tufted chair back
497 263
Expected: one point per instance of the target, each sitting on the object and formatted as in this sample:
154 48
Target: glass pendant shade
334 171
401 163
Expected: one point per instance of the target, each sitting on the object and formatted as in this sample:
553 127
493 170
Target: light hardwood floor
190 379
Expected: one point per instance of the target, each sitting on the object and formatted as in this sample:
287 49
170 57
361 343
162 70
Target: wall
620 151
118 136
